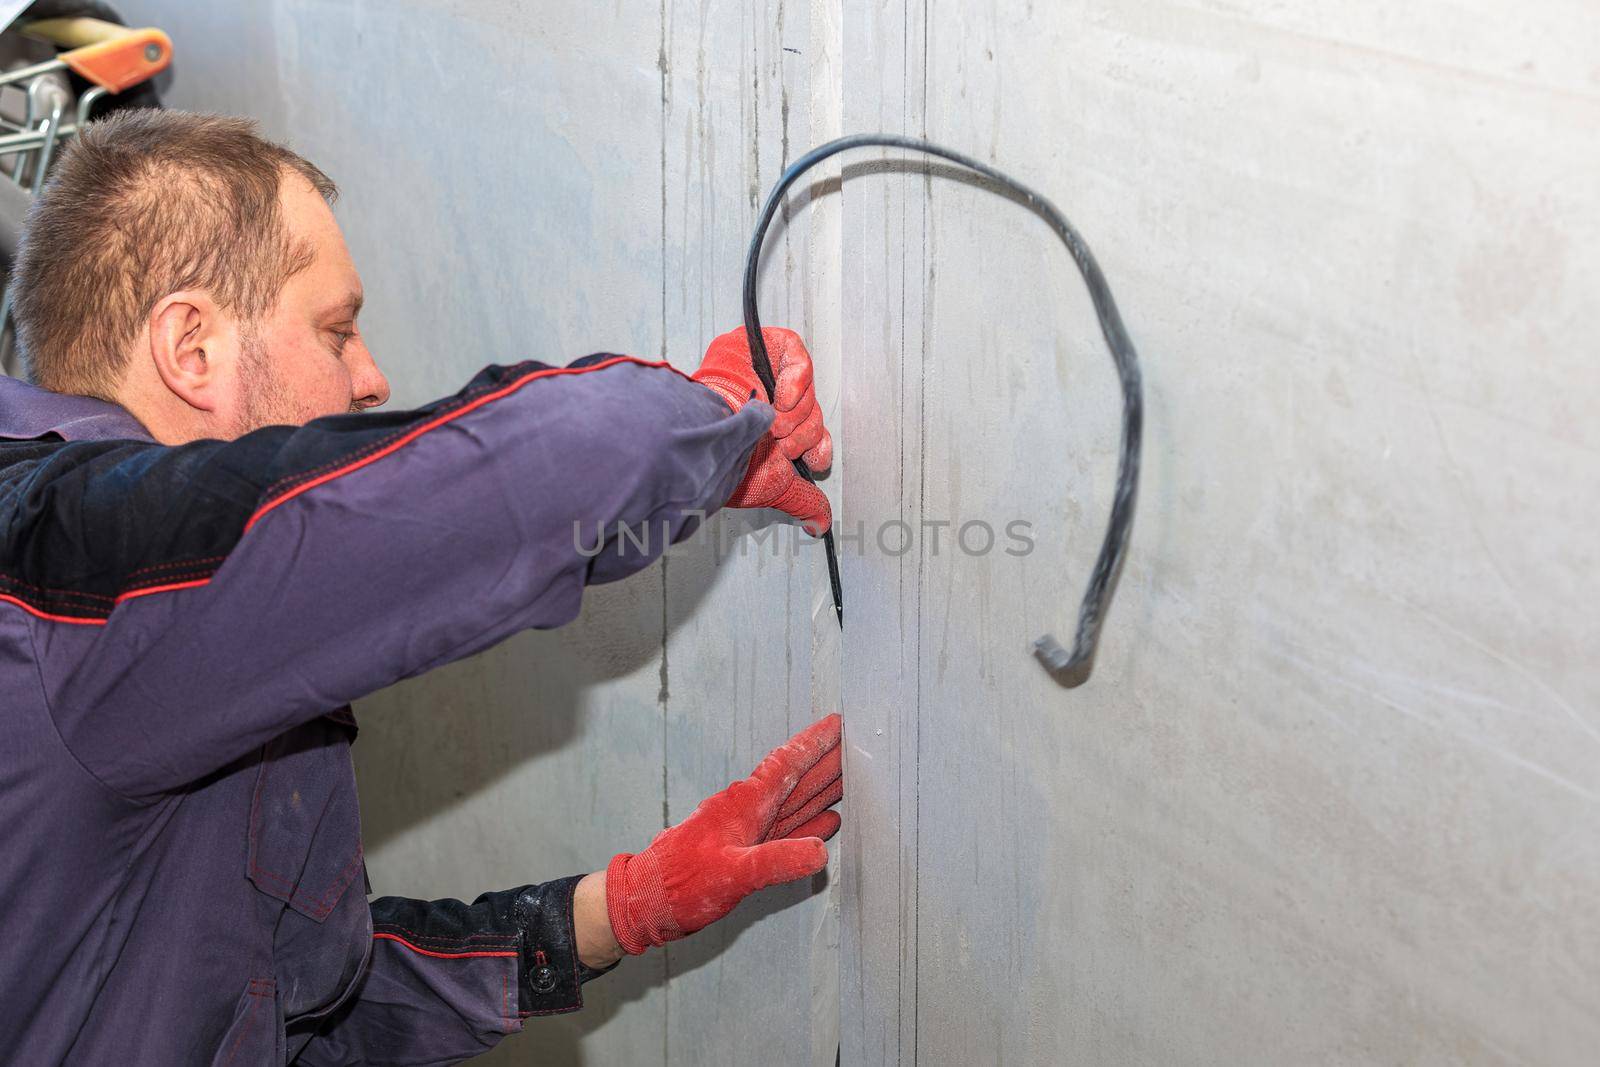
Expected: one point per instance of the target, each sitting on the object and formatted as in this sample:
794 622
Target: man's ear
192 344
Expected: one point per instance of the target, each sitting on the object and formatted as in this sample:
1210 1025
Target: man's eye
340 339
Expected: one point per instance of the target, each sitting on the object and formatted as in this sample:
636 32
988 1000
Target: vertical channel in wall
884 271
814 114
738 84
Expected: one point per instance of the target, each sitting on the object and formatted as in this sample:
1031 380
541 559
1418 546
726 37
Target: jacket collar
27 412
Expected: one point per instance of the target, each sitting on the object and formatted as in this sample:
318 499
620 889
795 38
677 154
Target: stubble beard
265 401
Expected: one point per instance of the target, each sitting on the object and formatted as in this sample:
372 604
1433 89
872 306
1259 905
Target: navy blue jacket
182 630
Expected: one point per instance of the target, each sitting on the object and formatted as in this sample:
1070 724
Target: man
206 554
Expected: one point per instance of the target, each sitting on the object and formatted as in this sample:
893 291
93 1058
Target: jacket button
544 979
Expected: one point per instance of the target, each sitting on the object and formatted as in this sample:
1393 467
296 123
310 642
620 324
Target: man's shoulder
87 521
29 412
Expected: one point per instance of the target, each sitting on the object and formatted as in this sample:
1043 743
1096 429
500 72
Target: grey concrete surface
1330 796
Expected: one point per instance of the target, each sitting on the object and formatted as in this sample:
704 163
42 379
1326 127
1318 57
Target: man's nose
368 387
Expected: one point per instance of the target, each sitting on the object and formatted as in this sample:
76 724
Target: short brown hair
142 204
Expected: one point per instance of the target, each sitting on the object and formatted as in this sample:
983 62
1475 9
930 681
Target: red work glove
770 481
761 831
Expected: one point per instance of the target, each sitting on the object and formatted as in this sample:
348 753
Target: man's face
306 357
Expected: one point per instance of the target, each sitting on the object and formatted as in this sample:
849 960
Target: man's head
181 266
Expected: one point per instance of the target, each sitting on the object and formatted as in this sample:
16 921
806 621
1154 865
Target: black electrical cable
1067 667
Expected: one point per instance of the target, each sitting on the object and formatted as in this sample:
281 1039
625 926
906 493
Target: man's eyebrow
349 307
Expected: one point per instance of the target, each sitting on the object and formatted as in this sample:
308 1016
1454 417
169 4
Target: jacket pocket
305 822
255 1038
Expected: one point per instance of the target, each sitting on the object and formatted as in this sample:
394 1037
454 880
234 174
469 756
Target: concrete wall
1330 795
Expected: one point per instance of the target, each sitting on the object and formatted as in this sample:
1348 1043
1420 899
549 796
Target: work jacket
182 629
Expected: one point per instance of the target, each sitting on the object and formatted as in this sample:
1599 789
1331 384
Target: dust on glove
763 830
797 430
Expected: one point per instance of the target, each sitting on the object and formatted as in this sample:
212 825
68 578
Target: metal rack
43 112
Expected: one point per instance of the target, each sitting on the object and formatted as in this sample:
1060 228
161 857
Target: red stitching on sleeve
179 563
441 955
168 588
47 616
441 420
301 483
9 580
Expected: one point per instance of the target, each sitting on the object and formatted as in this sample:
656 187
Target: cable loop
1069 667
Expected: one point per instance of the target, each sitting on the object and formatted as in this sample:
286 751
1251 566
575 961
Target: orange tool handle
109 55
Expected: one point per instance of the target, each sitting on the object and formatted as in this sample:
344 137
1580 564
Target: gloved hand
770 481
763 830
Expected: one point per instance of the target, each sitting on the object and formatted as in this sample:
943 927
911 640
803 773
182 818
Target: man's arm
195 601
448 980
